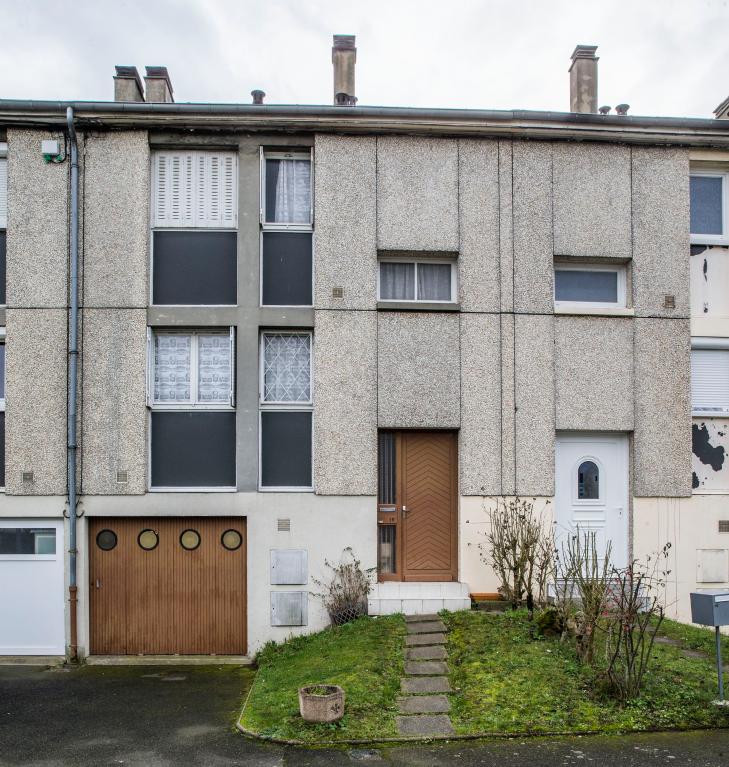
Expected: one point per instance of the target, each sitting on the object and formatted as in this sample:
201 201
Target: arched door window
588 481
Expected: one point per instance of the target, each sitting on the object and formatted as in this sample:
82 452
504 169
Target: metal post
719 668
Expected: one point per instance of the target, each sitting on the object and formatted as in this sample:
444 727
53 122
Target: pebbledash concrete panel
506 227
114 395
346 222
508 414
480 435
37 252
594 373
661 231
418 365
36 401
116 226
345 392
478 205
592 200
662 459
417 194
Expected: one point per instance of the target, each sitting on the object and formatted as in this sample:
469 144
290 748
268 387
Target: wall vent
337 292
283 525
724 525
27 476
669 301
122 477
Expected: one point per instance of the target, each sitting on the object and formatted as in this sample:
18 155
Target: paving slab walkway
423 706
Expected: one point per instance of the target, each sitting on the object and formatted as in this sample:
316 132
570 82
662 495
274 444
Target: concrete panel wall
506 226
594 373
592 202
508 413
660 231
37 248
116 211
346 222
480 437
418 366
114 399
478 198
662 461
534 404
36 401
417 194
345 403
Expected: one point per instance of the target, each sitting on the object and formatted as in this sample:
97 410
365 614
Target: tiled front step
424 704
428 724
429 627
425 685
424 639
436 652
425 668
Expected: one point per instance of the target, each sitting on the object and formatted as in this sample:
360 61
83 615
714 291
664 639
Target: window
594 285
709 379
194 216
431 281
709 208
286 411
39 541
286 224
588 481
191 394
3 216
2 407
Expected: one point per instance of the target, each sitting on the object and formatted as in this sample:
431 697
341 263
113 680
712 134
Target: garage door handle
98 583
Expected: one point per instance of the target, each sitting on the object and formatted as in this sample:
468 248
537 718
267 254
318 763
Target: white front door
591 490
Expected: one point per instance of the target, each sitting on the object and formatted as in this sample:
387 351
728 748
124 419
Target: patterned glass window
286 367
172 364
214 368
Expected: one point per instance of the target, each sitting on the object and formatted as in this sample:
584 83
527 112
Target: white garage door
31 587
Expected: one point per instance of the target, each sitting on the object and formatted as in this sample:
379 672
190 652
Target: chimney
344 56
128 85
583 80
158 85
622 109
722 111
258 97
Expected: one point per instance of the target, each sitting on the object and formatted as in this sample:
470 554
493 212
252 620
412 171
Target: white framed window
2 409
590 285
406 280
286 411
710 377
709 203
27 542
286 190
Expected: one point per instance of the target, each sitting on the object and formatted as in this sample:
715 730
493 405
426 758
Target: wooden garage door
171 598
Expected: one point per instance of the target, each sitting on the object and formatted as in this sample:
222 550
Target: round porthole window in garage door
231 540
148 540
189 539
106 540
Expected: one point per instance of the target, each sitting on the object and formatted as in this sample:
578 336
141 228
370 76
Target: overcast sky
663 57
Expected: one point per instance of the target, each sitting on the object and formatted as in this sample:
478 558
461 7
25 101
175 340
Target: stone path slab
428 627
424 704
425 685
421 618
424 639
425 668
424 726
435 652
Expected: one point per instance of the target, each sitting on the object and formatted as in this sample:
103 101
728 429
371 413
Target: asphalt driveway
170 716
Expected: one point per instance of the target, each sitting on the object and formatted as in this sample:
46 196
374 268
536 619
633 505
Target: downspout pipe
73 388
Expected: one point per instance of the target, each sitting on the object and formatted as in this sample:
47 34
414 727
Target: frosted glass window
172 366
286 367
707 205
588 286
288 191
214 368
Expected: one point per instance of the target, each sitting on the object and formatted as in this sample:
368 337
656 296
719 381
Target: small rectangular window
426 281
709 208
27 540
287 189
589 284
3 267
2 408
286 260
286 368
710 382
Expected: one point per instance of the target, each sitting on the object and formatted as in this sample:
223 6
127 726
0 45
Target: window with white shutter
710 382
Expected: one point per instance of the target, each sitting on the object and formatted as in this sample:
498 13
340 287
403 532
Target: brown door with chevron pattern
429 496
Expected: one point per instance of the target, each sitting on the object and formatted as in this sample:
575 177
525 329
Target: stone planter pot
321 703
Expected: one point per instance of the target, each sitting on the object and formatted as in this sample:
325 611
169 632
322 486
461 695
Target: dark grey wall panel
2 449
286 269
193 449
194 268
3 258
285 449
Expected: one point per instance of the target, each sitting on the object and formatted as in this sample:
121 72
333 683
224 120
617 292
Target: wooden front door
419 523
167 586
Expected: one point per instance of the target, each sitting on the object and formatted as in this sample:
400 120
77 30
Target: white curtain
213 359
397 281
172 367
434 282
287 367
293 192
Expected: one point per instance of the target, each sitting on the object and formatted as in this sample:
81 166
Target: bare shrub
344 593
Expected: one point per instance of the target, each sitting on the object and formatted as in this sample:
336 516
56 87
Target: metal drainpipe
72 388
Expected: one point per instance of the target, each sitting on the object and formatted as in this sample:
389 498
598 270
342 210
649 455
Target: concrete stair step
421 618
424 704
425 668
425 685
427 627
412 640
432 652
424 725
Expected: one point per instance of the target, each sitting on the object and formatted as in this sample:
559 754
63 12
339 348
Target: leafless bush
344 593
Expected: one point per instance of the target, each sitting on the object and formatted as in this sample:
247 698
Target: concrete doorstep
169 660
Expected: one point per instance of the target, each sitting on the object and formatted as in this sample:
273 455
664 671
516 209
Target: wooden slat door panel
168 600
430 494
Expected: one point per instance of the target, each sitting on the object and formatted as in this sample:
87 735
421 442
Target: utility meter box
50 147
710 607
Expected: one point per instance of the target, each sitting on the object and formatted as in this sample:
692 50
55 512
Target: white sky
663 57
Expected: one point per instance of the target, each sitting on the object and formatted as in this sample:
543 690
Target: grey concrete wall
594 373
506 226
36 401
508 413
418 370
660 231
114 425
37 247
116 212
417 194
346 222
662 454
592 200
345 397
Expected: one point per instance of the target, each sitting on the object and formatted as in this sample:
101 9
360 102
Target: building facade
304 330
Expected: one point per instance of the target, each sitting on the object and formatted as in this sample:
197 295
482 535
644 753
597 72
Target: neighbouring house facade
304 329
